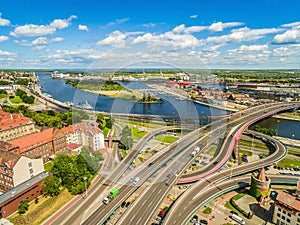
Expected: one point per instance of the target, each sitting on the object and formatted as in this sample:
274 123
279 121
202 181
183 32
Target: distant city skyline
203 34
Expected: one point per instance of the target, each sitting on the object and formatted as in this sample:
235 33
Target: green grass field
245 152
3 96
211 151
136 134
255 145
16 100
291 163
165 138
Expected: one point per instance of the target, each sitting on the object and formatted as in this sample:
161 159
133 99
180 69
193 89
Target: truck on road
238 219
111 195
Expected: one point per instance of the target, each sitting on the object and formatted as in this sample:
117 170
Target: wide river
171 106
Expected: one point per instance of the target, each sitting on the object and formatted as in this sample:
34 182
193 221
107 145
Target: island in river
114 90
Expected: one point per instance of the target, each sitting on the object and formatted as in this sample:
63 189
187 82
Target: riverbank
121 94
288 116
182 94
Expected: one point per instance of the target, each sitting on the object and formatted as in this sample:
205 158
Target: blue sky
88 34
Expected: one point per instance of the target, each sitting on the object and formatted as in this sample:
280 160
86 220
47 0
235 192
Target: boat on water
69 103
84 105
57 75
48 95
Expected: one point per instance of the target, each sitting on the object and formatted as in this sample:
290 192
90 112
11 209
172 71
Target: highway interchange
169 165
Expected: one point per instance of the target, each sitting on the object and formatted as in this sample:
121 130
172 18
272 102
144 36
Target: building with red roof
287 208
13 126
16 169
84 134
41 145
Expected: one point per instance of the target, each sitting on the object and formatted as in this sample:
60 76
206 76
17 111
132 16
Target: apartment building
13 126
85 134
287 208
16 169
43 145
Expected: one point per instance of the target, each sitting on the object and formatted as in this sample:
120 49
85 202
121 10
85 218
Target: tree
126 138
23 206
101 120
109 122
50 186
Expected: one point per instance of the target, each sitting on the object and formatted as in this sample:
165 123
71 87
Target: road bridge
143 216
193 199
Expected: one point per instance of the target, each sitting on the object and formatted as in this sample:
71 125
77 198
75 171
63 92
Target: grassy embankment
38 212
166 138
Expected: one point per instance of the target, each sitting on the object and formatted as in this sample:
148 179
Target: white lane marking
138 222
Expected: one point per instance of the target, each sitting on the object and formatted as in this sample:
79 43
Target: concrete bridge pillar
109 141
237 150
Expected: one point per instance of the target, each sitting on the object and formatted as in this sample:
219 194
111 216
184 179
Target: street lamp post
85 178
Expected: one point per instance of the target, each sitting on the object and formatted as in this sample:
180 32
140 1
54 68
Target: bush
207 210
23 206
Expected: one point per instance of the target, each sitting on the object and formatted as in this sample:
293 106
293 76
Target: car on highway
204 222
123 204
150 164
127 204
159 219
215 163
169 175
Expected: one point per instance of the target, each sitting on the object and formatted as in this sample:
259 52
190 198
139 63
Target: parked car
204 222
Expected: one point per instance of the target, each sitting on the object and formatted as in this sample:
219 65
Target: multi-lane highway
219 127
197 196
138 215
75 214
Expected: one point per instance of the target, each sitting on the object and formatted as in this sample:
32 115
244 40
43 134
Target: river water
170 107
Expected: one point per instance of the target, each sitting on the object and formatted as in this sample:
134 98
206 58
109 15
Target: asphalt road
75 213
156 193
103 212
192 199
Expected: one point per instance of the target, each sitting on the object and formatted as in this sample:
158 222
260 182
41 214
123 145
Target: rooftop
289 200
8 120
262 175
83 127
36 139
8 158
5 146
23 186
73 146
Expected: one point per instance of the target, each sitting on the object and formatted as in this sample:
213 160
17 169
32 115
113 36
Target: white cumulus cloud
83 27
3 22
31 30
3 38
8 54
290 36
214 27
115 39
242 34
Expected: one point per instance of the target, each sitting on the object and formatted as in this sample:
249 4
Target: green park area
41 209
3 96
290 163
16 100
137 133
212 150
166 138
